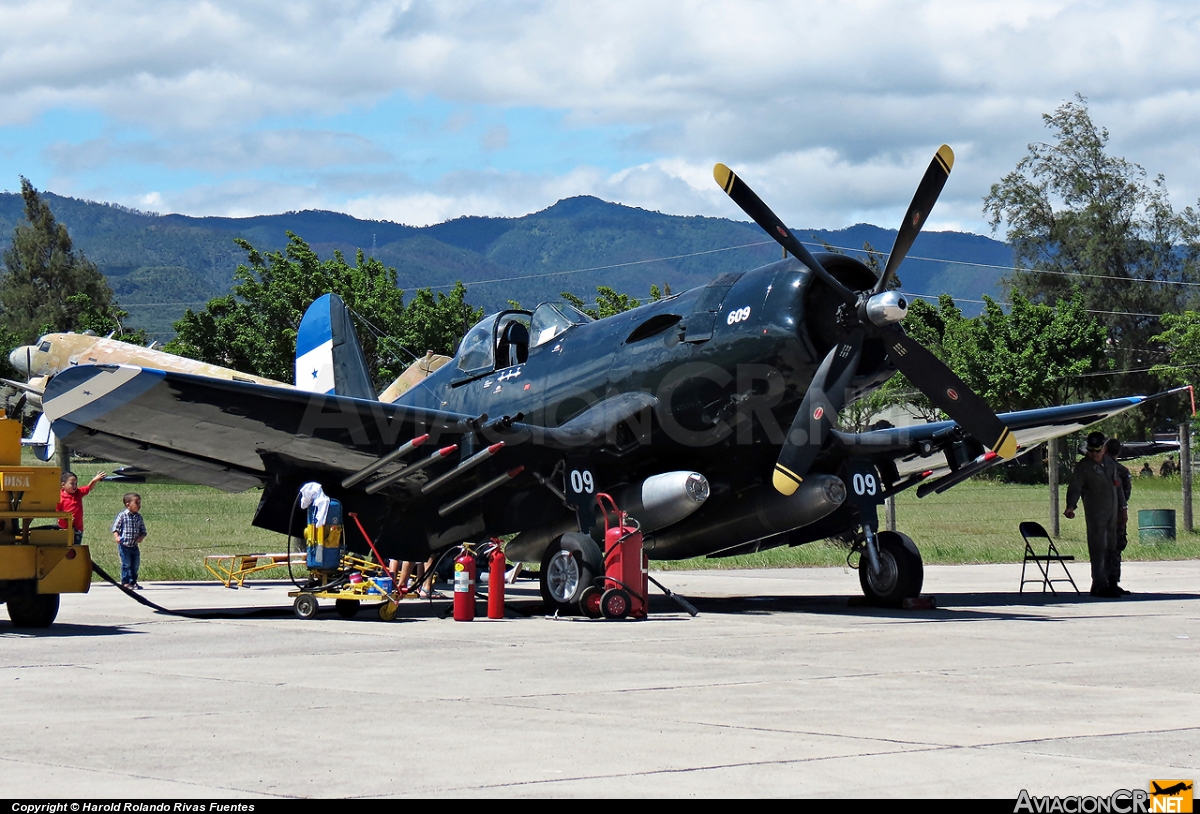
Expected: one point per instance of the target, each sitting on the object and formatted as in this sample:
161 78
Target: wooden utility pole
1185 473
1052 469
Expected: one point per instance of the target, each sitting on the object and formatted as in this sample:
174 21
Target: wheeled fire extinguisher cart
623 591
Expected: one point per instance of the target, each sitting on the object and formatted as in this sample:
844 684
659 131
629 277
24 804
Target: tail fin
43 441
329 358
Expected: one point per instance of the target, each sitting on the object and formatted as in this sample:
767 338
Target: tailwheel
900 574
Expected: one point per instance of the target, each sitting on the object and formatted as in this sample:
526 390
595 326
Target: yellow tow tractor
38 560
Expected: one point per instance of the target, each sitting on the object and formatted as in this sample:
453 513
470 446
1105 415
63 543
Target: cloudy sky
422 111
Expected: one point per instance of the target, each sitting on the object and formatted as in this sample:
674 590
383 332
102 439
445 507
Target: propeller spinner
876 312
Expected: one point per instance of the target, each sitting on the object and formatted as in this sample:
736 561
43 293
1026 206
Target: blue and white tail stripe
329 358
314 349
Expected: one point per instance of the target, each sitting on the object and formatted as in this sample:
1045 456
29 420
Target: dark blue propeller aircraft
709 416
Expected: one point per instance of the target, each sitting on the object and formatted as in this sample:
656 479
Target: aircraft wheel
568 567
27 608
900 575
306 606
589 603
346 608
615 603
387 611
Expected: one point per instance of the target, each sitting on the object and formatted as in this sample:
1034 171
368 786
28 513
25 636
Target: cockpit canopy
504 339
550 319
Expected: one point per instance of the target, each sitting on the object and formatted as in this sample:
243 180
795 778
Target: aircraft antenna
381 337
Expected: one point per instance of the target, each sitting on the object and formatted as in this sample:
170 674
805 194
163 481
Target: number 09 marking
582 482
864 484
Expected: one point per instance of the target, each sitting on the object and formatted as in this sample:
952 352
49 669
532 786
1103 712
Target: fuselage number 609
864 484
582 482
738 315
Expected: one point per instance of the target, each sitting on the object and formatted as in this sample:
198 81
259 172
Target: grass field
973 522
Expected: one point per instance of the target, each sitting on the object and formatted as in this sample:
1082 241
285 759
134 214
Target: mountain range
159 265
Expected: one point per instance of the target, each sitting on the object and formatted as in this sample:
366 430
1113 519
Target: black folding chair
1034 531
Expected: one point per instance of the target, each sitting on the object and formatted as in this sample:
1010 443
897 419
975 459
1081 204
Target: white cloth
312 494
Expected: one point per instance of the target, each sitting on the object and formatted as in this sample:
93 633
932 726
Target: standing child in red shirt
71 500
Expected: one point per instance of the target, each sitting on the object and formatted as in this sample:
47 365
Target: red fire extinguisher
496 569
625 566
464 585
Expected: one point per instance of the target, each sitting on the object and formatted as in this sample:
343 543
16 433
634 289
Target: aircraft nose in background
20 358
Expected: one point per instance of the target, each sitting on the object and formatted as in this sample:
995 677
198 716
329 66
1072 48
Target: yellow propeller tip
723 176
947 157
785 481
1006 446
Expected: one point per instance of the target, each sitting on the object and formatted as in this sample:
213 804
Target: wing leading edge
228 434
236 435
913 449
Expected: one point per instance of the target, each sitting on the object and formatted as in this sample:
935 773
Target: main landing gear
890 568
569 566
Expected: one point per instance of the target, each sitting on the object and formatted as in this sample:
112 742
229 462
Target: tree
1077 217
610 303
47 286
253 328
1181 338
1033 355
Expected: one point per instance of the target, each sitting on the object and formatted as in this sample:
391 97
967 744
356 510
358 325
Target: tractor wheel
27 608
387 611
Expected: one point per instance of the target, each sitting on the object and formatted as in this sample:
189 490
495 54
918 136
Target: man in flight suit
1112 450
1095 480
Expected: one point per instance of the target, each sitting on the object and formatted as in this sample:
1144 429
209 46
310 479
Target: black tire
27 608
589 602
306 606
347 608
569 566
615 603
901 572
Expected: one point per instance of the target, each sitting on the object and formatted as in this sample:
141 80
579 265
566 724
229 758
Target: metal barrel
1156 525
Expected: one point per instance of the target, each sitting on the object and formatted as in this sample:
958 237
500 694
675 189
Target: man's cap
1095 441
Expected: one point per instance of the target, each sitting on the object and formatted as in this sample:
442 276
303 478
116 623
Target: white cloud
299 149
835 101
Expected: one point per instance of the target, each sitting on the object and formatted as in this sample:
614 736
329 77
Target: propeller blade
926 196
760 213
950 394
824 400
